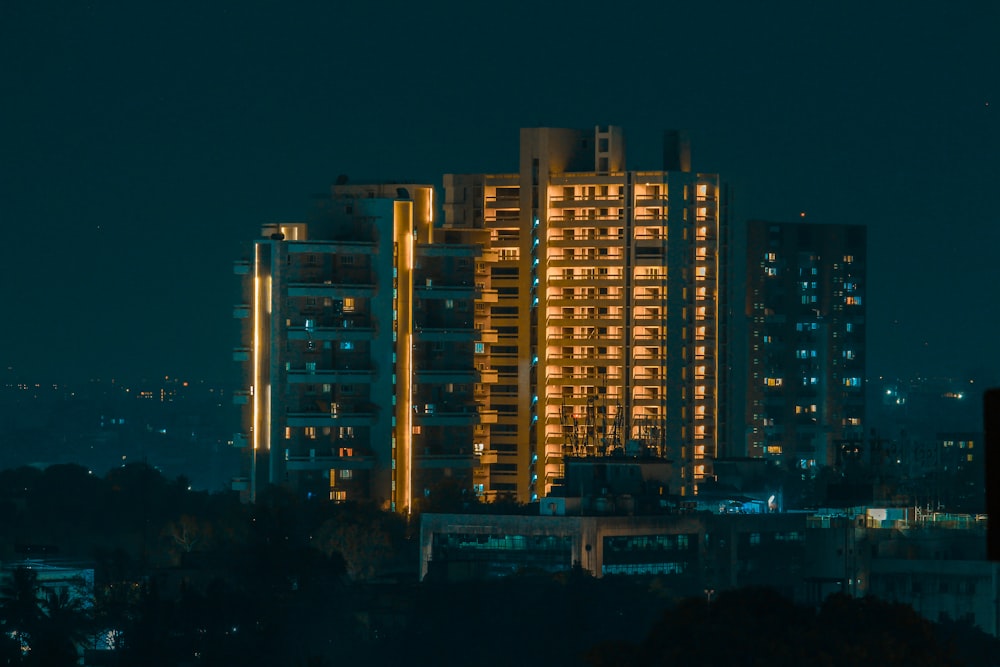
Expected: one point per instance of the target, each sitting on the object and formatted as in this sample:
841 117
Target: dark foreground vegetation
190 578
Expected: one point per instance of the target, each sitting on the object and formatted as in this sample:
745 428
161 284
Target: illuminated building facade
806 301
359 351
603 331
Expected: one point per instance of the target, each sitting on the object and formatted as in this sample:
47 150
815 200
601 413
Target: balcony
425 461
445 418
488 375
331 290
242 311
435 334
313 462
241 354
241 397
487 458
241 267
444 291
587 200
347 376
488 295
445 375
331 333
487 335
322 419
488 416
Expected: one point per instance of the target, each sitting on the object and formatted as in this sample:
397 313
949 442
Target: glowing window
349 304
701 272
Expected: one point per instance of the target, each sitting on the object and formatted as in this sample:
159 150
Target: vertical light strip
409 368
267 397
255 394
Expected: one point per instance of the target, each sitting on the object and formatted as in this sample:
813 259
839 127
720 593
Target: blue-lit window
346 345
480 348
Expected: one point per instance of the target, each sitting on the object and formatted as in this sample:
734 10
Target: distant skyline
142 147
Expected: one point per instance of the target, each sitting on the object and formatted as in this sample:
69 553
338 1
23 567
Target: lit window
480 348
699 333
346 474
772 382
346 345
848 259
700 273
699 352
349 304
449 303
853 300
852 382
702 190
771 271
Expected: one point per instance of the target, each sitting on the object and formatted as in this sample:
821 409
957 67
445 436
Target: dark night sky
143 144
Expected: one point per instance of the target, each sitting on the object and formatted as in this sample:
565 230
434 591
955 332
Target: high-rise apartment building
358 349
604 328
805 308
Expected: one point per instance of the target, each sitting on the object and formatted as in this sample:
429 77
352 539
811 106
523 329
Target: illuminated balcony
488 375
487 295
588 178
488 416
585 200
504 201
487 458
